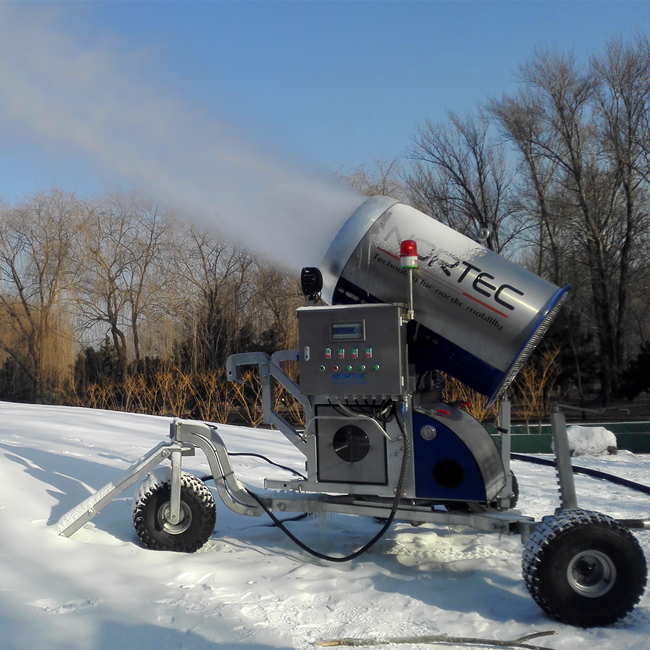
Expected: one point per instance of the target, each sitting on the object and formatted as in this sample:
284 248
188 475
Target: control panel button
328 353
355 353
368 353
341 353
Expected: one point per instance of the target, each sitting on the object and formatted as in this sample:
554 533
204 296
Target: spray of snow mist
91 100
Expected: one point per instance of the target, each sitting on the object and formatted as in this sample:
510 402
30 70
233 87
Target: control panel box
353 350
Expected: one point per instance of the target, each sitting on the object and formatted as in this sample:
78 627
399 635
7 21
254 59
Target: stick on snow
442 638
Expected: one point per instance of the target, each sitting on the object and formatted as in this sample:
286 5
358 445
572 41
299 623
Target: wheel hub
184 518
591 573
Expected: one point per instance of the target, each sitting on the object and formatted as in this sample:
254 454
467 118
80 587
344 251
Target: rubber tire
557 542
196 502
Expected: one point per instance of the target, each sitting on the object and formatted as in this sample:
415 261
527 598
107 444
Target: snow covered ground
250 588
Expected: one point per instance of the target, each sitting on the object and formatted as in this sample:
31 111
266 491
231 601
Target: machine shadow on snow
156 637
20 633
455 591
64 473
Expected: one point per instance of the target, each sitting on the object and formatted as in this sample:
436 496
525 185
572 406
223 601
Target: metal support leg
271 372
568 497
175 496
505 410
73 520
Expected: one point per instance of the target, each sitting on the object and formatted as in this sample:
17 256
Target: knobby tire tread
196 495
588 612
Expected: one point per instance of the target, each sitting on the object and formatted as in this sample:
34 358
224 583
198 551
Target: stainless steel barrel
478 315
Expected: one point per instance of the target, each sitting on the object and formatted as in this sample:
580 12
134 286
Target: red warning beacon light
408 254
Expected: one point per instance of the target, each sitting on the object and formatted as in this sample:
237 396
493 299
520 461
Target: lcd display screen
349 331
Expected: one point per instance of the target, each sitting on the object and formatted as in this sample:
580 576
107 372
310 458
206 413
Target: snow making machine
406 298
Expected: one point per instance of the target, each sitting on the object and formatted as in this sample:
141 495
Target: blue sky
335 84
238 112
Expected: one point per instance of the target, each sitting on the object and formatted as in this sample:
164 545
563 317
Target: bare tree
381 178
521 123
542 198
577 129
212 286
144 284
276 297
123 235
37 267
622 102
460 176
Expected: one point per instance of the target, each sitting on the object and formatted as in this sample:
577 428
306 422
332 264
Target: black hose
314 552
270 462
585 470
264 458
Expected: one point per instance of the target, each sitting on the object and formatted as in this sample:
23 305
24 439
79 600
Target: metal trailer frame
186 436
601 581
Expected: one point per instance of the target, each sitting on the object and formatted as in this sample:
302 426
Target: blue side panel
446 450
